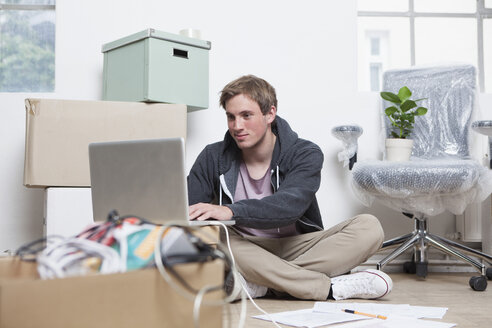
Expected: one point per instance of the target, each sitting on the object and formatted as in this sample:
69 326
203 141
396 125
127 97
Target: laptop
145 178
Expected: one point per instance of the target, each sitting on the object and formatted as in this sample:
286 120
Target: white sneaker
252 289
368 284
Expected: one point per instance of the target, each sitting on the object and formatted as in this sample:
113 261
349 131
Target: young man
265 177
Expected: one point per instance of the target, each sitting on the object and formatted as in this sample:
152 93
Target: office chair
441 174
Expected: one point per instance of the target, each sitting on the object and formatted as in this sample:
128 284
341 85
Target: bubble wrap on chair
348 134
440 175
422 186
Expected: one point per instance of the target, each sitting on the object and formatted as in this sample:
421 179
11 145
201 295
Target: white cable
232 297
198 303
244 289
60 257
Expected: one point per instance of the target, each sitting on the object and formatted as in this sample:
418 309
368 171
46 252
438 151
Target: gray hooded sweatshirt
295 176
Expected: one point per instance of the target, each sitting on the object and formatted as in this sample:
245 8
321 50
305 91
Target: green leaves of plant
421 111
389 96
407 105
401 115
404 94
390 110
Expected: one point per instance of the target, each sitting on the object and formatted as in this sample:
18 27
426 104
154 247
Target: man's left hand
204 211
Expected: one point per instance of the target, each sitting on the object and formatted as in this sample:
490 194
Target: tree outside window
27 45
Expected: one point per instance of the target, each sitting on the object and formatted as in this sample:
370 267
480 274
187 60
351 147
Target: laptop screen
145 178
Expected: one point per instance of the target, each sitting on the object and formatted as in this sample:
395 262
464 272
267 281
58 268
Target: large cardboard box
139 298
157 66
58 133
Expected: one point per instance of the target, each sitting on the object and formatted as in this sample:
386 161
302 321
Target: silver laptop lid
145 178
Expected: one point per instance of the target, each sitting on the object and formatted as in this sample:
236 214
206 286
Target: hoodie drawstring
278 178
220 194
278 185
223 188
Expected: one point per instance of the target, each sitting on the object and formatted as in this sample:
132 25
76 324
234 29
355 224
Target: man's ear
271 114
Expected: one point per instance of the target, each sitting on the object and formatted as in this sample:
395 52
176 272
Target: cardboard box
159 67
58 133
139 298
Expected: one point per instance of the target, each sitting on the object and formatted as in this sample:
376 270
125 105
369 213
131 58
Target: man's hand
204 211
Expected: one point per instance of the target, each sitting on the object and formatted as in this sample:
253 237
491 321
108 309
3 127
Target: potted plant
402 117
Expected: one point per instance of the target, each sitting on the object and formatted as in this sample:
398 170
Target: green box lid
152 33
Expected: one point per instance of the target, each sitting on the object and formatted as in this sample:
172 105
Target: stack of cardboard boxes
148 66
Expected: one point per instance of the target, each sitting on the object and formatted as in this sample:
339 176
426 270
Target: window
375 46
421 32
376 72
27 45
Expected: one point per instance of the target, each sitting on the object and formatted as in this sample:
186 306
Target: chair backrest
450 92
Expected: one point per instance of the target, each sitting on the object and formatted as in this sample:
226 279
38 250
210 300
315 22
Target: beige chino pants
302 265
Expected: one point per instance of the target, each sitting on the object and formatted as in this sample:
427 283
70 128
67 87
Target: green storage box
154 66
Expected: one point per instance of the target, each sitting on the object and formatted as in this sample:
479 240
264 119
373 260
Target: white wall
307 50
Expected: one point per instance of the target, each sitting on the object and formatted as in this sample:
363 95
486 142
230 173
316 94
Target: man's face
247 124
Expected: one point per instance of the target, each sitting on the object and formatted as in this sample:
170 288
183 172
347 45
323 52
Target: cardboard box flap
30 106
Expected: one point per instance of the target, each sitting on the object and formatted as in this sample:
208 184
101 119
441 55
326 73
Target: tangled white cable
67 258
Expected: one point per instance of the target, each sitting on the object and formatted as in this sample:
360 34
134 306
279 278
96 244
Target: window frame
20 6
480 13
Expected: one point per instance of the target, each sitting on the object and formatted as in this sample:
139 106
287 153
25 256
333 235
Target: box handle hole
180 53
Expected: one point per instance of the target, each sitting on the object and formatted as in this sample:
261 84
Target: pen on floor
366 314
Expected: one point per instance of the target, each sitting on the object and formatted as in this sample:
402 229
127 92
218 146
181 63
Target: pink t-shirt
249 188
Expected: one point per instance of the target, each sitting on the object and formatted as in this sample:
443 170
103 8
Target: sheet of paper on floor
397 322
388 310
308 318
430 312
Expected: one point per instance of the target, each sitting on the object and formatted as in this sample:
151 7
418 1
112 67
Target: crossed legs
302 265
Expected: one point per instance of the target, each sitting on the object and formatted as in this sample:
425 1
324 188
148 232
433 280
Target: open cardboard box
140 298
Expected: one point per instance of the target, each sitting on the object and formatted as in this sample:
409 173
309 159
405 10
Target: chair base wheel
488 273
418 268
478 283
409 267
421 268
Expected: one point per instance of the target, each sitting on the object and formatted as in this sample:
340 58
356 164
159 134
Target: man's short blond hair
255 88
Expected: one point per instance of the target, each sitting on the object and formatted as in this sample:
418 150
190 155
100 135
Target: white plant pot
398 150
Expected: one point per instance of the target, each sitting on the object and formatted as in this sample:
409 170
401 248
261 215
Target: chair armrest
348 134
485 128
